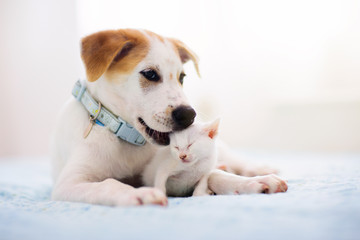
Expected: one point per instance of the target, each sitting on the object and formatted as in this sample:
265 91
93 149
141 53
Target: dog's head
139 76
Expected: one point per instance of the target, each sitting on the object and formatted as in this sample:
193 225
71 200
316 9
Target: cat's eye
150 75
189 145
177 148
181 78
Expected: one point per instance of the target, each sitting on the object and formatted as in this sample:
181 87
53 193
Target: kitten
182 168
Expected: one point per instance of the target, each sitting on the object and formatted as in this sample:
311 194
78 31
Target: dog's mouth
161 138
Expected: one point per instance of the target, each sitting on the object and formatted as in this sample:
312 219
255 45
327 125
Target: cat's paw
143 196
222 183
267 184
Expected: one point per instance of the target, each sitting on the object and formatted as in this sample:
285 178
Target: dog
134 78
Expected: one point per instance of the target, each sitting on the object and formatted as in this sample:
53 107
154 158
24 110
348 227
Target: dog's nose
183 117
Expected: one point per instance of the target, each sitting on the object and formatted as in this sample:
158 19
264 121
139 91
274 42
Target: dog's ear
100 50
186 54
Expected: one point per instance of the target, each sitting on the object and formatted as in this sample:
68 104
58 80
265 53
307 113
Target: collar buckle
129 133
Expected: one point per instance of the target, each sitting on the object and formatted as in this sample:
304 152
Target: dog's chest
111 157
128 161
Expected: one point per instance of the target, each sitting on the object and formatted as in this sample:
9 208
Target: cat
182 168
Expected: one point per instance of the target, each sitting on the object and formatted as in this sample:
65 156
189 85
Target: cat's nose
182 156
183 116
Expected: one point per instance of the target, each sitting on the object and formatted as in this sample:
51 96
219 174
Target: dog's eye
181 78
150 75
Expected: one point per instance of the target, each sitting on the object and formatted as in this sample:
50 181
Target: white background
283 75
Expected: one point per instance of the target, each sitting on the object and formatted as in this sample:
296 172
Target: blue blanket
323 202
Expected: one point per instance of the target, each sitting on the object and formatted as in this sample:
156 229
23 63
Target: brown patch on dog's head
185 53
113 51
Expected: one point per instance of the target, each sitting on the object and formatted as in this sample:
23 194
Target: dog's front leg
223 183
75 186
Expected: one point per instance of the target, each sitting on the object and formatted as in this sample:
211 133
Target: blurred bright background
283 75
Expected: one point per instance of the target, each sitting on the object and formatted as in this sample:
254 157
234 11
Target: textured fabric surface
323 202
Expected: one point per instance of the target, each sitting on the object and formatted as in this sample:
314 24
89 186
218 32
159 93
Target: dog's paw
267 184
143 196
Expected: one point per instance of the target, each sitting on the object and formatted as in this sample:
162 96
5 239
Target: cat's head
194 143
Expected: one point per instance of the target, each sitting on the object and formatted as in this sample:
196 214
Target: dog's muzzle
183 116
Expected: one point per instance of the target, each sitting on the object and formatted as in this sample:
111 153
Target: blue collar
103 117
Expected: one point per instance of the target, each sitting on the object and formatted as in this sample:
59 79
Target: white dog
131 101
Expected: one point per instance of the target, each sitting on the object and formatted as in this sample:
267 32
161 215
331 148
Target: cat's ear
212 129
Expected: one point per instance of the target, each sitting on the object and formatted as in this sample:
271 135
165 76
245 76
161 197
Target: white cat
182 168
